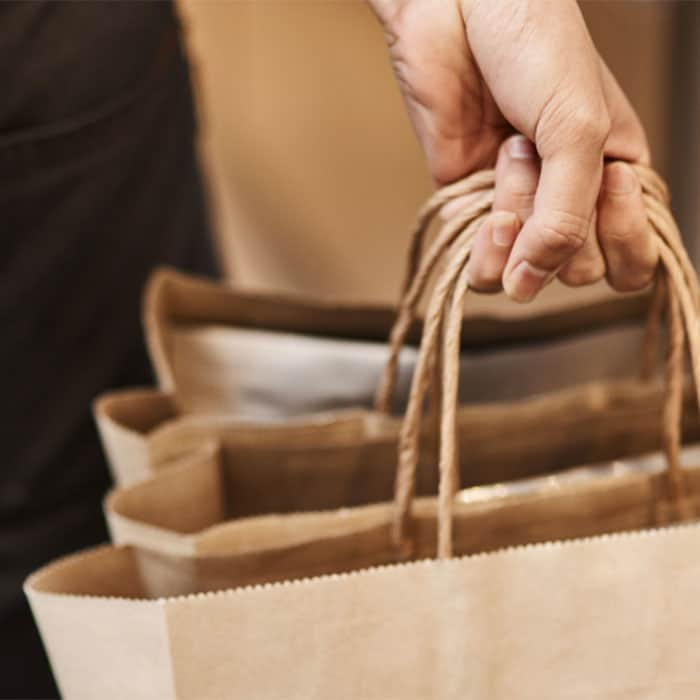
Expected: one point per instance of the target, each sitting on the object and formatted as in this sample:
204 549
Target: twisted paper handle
479 187
444 318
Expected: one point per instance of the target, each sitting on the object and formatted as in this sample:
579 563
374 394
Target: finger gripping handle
440 341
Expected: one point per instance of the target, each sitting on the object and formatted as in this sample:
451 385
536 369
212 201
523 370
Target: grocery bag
365 615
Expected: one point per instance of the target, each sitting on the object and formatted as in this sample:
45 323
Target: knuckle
590 126
625 234
484 280
631 281
563 233
632 273
624 230
620 187
568 119
519 188
579 275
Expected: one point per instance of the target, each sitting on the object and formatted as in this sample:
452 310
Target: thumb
564 205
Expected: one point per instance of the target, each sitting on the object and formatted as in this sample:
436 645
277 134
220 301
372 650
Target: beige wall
315 172
635 38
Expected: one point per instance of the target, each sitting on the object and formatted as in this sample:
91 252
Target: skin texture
519 84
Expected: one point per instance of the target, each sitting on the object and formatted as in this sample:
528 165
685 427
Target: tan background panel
315 172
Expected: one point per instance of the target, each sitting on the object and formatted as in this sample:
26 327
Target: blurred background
315 173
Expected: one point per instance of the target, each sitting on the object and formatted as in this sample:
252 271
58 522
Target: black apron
98 184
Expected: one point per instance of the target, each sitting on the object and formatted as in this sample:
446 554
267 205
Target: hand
520 84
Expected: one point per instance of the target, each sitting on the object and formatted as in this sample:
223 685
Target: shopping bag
348 459
224 498
361 616
612 617
264 359
217 349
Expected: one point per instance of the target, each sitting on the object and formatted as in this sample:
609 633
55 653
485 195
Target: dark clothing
98 184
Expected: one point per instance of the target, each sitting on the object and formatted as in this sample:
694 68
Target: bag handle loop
440 343
477 190
479 187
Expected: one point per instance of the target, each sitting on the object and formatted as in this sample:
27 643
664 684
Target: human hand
475 72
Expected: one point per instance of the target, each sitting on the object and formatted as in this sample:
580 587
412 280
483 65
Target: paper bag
220 350
212 494
612 617
342 616
337 462
262 360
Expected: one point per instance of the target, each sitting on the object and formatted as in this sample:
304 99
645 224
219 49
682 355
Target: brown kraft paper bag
200 505
267 360
345 616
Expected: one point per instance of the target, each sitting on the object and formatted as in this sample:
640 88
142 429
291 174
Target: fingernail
503 229
619 178
524 281
521 148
